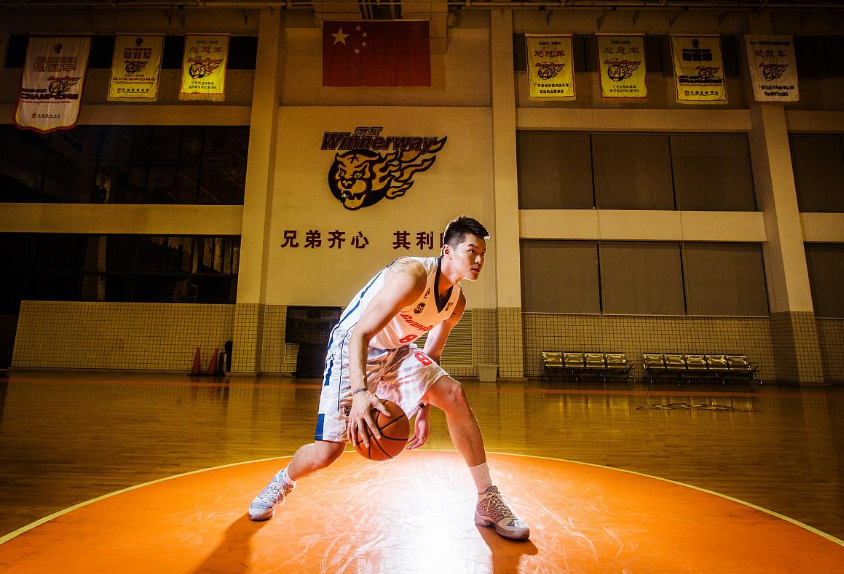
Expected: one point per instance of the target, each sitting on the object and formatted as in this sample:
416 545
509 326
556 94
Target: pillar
257 206
793 326
506 191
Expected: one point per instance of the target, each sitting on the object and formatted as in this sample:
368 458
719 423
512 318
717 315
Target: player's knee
453 396
326 452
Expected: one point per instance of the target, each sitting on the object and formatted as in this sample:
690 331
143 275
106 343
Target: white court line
55 515
693 487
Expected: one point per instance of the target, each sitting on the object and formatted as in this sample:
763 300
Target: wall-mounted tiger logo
361 177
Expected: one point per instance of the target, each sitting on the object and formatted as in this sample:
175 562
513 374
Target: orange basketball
394 433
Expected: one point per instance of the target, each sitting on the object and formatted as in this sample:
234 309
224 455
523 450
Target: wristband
360 390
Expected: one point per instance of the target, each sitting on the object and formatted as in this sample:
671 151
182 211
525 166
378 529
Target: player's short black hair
456 230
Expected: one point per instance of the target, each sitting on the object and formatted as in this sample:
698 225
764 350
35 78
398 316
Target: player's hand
421 430
360 418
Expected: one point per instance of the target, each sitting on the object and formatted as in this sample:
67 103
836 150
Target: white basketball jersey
412 321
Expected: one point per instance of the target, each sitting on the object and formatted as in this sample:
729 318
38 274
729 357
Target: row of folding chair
716 366
576 365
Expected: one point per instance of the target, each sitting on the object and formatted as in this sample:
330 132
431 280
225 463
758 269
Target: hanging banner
52 81
773 68
204 68
135 68
622 64
699 69
550 67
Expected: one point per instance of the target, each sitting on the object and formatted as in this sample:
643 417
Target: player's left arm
435 343
421 428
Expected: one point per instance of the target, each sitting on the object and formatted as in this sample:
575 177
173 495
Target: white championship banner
135 68
773 68
51 86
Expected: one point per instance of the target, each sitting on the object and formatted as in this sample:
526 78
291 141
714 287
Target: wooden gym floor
684 478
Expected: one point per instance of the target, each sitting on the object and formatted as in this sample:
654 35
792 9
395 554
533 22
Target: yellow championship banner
622 64
52 81
135 68
699 69
204 68
550 67
773 69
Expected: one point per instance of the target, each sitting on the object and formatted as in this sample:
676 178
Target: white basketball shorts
400 375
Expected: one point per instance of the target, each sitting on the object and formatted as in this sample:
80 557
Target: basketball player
371 354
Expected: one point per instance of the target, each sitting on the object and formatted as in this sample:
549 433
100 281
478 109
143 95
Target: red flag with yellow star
376 53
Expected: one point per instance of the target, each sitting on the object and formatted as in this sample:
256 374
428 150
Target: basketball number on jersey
407 339
423 358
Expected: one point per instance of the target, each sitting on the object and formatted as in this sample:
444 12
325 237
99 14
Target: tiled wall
831 339
458 357
798 353
248 337
636 335
484 336
157 336
144 336
510 343
277 356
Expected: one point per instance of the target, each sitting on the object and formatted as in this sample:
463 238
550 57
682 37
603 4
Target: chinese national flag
375 53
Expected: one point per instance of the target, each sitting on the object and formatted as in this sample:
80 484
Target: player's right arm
405 282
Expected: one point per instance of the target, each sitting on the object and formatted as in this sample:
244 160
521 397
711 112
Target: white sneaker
263 507
493 511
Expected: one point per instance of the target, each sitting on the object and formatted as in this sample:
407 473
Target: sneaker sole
501 532
262 516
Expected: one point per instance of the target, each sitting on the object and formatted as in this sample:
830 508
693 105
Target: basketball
394 433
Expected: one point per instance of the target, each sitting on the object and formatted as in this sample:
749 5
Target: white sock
282 476
480 474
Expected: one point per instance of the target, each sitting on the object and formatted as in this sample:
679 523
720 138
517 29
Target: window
124 164
818 163
825 261
834 48
560 276
555 170
696 172
725 279
657 54
243 51
65 267
632 171
646 278
641 278
712 172
811 56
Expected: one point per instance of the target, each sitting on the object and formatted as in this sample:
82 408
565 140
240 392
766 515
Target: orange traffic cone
197 367
214 365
